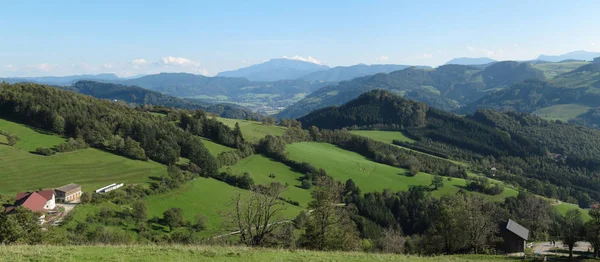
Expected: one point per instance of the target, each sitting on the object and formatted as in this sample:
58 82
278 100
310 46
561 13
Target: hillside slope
503 137
343 73
449 85
579 88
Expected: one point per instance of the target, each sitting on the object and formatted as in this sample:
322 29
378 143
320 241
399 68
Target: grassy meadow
564 112
215 148
261 167
91 168
383 136
368 175
553 69
29 138
252 130
3 139
206 196
564 207
210 253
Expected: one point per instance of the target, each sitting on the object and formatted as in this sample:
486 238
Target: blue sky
206 37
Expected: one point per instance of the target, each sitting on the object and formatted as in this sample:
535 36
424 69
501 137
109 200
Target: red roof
34 202
47 194
22 195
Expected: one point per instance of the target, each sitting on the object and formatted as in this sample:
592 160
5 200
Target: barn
515 237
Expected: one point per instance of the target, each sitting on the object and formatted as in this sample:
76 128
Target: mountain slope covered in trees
344 73
453 84
548 158
579 87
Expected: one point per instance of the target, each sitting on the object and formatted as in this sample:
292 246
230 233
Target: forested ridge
444 87
103 124
549 158
139 96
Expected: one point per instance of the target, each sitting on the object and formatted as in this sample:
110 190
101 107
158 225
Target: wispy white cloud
45 67
178 61
593 43
107 66
485 51
382 58
140 61
427 55
305 59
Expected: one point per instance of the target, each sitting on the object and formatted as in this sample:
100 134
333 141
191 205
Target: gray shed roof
517 229
68 187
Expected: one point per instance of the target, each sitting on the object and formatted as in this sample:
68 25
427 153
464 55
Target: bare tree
257 215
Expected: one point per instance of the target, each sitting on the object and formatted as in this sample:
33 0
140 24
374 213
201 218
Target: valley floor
207 253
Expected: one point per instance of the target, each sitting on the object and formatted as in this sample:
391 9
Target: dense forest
549 158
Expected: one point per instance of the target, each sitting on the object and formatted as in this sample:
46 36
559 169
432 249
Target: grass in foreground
252 130
368 175
206 196
563 113
208 253
3 139
261 167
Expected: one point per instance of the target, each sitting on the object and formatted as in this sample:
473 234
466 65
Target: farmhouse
39 201
68 193
515 237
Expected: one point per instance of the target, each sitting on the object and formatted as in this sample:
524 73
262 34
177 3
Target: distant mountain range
61 80
447 87
575 55
275 69
470 61
343 73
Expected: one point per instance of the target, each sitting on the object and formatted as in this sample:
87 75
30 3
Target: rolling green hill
205 196
515 141
562 112
260 168
91 168
565 97
252 130
368 175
